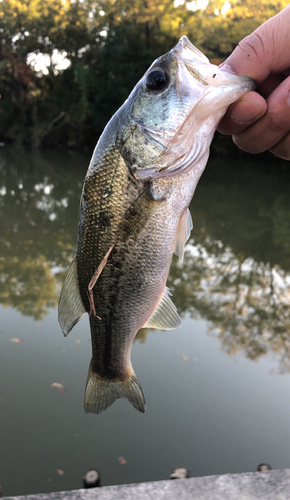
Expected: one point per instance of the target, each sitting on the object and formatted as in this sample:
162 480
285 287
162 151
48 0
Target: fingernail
226 68
247 111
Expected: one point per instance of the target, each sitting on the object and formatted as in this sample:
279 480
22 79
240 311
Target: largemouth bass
134 213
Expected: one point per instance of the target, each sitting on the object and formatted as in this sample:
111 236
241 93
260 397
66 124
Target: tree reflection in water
236 271
38 195
236 268
246 302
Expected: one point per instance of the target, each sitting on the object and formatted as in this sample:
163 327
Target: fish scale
134 213
104 209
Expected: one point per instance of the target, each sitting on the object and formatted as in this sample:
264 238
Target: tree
109 45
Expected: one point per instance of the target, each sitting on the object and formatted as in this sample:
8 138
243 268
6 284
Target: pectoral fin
165 316
70 306
183 233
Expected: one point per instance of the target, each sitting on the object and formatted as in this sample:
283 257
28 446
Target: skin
261 120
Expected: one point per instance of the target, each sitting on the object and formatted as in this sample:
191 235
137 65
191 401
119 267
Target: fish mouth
184 47
206 73
212 89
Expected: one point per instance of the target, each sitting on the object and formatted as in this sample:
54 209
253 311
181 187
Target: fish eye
157 79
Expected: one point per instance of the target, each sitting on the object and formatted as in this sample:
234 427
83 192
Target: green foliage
109 45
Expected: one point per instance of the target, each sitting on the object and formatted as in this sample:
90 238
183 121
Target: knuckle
255 49
252 46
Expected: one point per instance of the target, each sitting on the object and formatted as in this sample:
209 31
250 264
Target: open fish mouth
211 91
209 74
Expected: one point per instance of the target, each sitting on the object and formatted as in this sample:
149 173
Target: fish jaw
204 92
221 88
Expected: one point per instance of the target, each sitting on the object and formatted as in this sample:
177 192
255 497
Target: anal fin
183 232
70 305
165 316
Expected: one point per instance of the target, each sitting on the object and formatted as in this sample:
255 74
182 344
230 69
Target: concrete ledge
269 485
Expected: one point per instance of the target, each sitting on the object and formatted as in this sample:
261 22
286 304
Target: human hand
261 120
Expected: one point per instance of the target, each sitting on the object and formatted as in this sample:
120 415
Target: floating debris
122 460
58 386
15 340
92 479
180 473
60 472
263 467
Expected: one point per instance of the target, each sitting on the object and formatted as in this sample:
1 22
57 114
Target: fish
134 213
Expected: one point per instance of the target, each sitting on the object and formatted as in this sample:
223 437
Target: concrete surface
268 485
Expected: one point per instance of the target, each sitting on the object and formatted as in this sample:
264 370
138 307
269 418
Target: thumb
265 51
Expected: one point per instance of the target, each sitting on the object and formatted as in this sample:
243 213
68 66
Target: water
217 390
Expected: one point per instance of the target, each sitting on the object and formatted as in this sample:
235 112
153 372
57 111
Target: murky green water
217 390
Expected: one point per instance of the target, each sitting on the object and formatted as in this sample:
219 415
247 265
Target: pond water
217 389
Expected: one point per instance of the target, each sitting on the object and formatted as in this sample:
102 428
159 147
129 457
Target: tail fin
102 393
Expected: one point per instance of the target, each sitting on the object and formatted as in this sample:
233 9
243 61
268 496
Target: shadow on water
236 268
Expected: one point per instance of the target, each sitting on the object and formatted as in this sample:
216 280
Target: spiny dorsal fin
70 306
165 316
183 232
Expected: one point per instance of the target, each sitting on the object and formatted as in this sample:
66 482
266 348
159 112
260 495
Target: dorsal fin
70 305
165 316
183 232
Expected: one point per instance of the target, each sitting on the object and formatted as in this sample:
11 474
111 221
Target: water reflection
236 271
236 268
38 193
246 302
